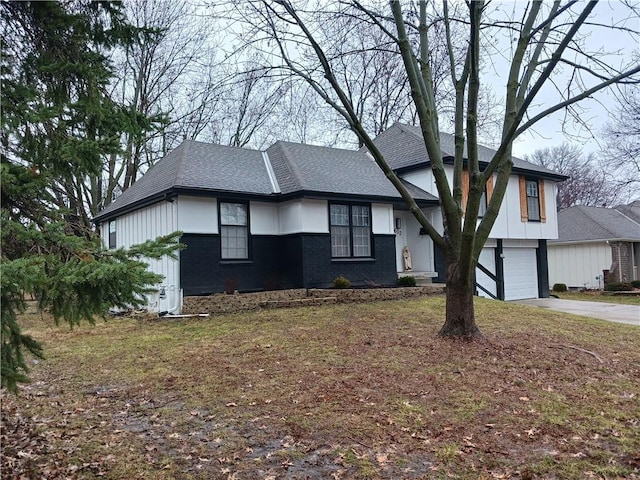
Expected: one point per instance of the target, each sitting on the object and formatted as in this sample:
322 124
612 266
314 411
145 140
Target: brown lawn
332 392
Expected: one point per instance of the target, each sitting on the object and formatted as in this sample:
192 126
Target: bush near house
635 283
559 287
618 287
341 282
408 281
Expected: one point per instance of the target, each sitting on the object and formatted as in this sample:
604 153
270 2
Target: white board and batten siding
579 265
508 224
149 223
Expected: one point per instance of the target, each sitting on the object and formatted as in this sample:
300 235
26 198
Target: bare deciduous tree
546 38
590 183
622 135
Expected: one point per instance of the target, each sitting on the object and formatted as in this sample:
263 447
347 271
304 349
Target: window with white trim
350 230
234 231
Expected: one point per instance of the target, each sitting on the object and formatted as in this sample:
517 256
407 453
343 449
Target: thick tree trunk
460 317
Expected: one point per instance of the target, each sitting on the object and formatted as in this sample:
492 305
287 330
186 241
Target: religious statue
406 258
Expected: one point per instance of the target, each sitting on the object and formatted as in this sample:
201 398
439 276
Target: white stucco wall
509 223
577 265
197 214
303 216
315 216
382 219
263 218
488 260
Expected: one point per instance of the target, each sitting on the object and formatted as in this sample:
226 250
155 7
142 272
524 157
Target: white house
300 215
595 240
513 264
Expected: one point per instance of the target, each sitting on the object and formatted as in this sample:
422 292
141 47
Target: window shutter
465 189
543 210
524 216
489 188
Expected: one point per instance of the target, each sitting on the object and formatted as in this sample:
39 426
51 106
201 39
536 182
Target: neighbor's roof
632 210
403 148
580 223
196 167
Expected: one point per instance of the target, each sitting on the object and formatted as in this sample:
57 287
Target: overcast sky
595 112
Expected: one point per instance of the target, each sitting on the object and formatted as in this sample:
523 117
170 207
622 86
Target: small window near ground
112 234
234 232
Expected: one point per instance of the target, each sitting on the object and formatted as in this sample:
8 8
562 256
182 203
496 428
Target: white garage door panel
520 273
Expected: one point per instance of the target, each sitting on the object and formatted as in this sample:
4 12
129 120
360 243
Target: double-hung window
533 200
350 230
234 231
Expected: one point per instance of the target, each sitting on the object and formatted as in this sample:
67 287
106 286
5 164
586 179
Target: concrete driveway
612 312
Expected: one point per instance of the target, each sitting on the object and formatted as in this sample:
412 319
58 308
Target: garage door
520 273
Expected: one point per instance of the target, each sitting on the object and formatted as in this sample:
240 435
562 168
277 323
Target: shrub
618 287
407 281
341 282
635 283
559 287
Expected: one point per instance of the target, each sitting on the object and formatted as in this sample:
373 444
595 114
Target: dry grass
352 392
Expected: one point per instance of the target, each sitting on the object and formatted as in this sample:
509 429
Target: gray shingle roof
403 146
298 168
311 168
199 166
580 223
631 210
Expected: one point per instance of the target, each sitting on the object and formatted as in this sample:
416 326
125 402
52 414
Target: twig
594 355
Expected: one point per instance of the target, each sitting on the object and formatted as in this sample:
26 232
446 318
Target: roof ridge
185 145
626 216
293 167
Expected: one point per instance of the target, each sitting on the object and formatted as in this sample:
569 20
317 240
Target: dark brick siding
202 272
319 269
290 261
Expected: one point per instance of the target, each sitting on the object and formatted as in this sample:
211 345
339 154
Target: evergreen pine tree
58 124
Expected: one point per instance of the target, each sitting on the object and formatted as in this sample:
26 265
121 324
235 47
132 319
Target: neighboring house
592 240
300 215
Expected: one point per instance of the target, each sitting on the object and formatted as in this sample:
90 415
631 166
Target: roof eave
449 161
596 240
173 192
320 195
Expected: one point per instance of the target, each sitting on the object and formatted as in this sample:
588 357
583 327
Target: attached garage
520 273
486 286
